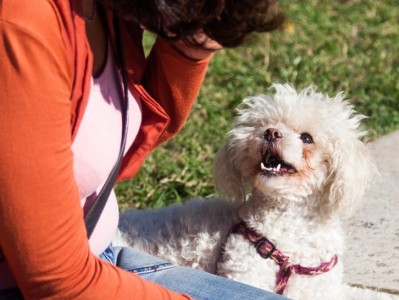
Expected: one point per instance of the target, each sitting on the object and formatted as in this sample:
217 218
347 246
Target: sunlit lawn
350 46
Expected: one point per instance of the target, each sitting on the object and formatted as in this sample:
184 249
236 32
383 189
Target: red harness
267 249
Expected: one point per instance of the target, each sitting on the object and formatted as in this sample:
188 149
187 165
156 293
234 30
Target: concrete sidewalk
372 256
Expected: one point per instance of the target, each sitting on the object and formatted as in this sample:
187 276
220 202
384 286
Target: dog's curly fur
324 171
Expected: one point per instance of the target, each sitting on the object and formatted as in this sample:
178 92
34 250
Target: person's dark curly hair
226 21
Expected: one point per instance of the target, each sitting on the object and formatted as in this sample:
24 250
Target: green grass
350 46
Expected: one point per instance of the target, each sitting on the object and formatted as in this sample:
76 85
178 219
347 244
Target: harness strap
266 249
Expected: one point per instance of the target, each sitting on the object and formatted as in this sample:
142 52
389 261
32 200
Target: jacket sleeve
42 234
174 81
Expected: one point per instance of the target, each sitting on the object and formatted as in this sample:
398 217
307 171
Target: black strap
93 215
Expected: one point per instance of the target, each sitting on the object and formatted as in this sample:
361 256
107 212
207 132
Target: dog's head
297 147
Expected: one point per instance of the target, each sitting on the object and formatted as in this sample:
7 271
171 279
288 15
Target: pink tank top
96 147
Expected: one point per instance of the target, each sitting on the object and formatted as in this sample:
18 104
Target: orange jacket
45 72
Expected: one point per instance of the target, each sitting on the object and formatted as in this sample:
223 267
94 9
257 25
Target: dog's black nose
272 134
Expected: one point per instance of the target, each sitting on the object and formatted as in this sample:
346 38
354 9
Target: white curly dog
294 164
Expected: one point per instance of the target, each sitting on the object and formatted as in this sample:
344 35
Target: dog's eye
307 138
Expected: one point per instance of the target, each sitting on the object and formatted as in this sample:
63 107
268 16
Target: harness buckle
262 253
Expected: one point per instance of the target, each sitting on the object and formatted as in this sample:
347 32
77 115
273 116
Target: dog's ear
226 176
351 170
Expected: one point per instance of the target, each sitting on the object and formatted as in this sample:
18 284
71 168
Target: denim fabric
197 284
108 254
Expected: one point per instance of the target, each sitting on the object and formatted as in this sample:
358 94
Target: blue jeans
197 284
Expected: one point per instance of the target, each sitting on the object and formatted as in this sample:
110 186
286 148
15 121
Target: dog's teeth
264 168
278 167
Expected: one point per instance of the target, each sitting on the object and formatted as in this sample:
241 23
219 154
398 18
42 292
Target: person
60 107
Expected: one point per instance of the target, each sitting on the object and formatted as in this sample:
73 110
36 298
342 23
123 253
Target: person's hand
197 47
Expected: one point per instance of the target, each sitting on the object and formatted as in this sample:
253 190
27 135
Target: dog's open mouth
273 165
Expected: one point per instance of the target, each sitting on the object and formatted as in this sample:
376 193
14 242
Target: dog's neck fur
283 221
259 206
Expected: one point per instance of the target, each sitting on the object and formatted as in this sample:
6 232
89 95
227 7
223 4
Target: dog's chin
281 185
283 175
280 178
